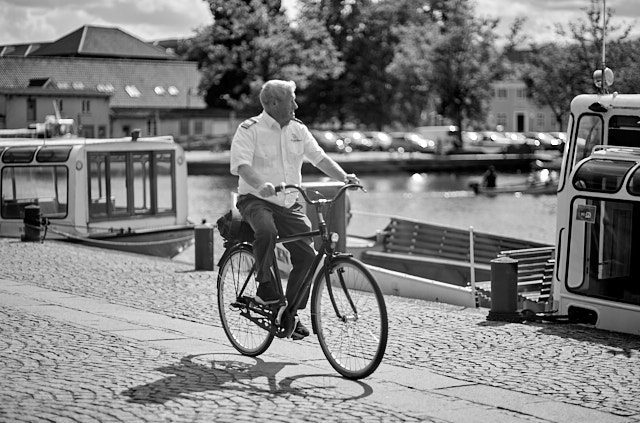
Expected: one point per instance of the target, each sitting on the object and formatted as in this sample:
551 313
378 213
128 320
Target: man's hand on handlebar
351 178
267 190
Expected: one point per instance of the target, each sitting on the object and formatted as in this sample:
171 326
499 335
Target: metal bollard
504 290
32 223
204 247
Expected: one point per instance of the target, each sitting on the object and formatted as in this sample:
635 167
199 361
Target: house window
521 93
540 120
151 127
86 106
184 127
198 127
31 109
501 119
102 131
501 93
133 91
88 131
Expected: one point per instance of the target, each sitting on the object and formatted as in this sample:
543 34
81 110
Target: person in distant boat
268 150
490 178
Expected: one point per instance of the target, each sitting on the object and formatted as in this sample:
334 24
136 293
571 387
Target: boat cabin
597 276
93 188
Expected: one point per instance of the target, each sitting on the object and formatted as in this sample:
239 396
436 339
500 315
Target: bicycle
348 312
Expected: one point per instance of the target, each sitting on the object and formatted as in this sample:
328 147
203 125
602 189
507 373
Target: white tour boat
128 194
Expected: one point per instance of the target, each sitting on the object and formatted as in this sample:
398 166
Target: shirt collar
270 121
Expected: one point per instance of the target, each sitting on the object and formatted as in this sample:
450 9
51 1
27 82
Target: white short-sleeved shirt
273 152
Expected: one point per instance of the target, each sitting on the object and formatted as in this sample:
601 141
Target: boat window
164 172
97 185
634 183
131 183
624 131
45 186
605 239
19 155
53 153
118 188
589 134
142 183
601 175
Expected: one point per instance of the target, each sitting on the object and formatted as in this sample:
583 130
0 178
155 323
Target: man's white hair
275 89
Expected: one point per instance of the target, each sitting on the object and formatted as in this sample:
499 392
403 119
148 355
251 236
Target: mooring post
504 290
32 223
204 246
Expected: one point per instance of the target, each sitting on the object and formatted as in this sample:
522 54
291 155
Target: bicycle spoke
351 319
243 323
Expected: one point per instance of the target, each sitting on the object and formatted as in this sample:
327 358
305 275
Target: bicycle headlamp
334 238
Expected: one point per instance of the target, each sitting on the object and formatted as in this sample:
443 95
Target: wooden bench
439 252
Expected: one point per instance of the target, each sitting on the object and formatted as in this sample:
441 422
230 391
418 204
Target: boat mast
604 30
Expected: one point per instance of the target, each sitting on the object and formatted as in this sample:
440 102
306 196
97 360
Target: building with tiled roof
146 87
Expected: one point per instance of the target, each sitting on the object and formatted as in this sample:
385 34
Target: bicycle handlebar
341 190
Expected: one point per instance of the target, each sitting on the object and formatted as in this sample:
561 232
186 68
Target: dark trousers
268 221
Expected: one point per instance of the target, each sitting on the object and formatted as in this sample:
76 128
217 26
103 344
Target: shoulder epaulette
247 123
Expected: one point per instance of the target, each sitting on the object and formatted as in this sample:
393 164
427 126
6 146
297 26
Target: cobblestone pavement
81 371
54 371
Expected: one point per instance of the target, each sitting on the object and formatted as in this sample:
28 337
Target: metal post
504 290
472 266
204 247
32 223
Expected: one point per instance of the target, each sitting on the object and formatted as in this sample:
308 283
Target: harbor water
441 198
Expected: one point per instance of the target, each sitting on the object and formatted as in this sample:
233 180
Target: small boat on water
540 182
127 194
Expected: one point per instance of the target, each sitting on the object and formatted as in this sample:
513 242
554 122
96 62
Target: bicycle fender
229 250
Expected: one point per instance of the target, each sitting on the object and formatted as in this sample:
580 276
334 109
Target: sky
31 21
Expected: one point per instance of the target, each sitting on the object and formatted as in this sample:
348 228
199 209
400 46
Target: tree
556 73
252 41
465 62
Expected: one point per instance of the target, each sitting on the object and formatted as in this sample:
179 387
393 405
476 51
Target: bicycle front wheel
350 318
241 322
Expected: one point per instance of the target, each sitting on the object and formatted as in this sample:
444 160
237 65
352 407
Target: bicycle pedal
281 310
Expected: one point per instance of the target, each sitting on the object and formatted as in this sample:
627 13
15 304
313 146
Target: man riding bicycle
268 150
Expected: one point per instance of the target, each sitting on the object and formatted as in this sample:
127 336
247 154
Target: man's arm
253 178
335 171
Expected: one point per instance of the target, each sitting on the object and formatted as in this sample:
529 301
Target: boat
127 194
540 182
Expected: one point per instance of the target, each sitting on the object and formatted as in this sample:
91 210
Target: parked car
407 142
381 141
357 140
474 142
545 140
520 143
330 141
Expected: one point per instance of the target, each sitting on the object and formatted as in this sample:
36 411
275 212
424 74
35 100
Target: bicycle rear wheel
353 334
240 318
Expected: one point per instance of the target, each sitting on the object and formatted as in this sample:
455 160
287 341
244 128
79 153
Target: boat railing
535 271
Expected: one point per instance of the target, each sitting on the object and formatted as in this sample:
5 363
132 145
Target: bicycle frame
325 252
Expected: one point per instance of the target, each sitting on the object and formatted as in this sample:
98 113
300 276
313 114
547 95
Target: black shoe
267 295
299 332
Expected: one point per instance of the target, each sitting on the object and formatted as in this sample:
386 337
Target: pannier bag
233 228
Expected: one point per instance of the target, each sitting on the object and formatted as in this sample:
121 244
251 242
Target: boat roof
38 142
613 102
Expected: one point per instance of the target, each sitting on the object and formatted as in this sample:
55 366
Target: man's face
284 108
